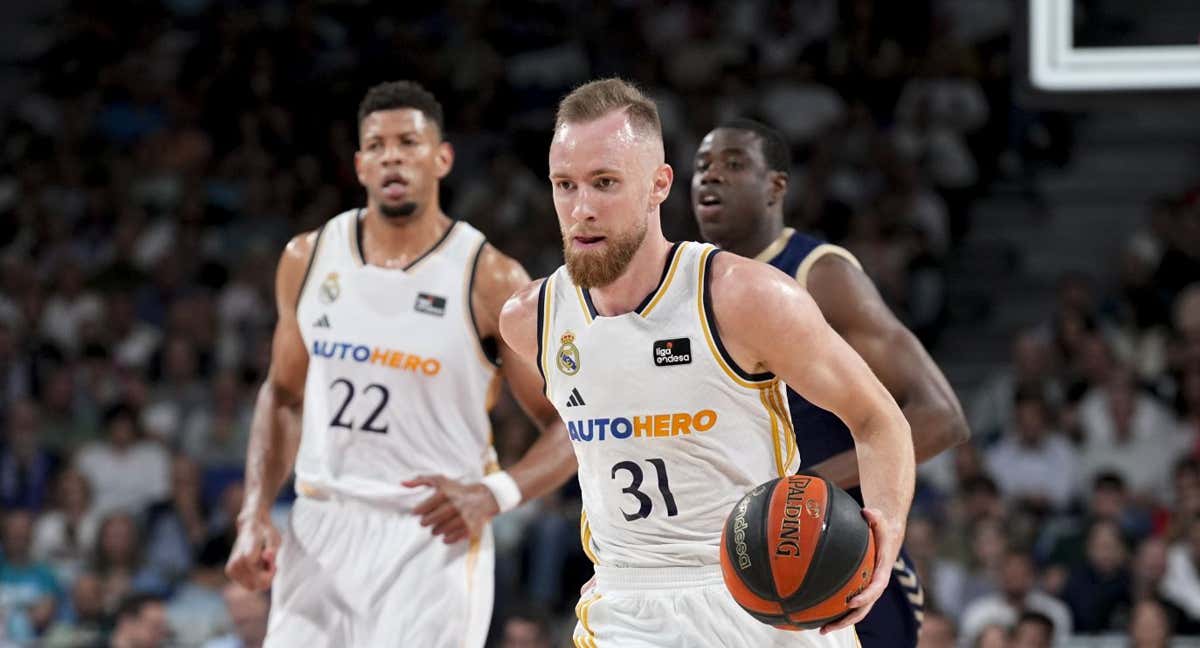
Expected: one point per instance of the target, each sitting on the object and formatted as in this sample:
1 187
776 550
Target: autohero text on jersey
646 425
377 356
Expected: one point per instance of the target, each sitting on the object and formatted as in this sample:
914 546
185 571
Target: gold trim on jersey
818 253
764 396
779 405
708 335
545 332
662 290
587 314
585 538
581 612
776 246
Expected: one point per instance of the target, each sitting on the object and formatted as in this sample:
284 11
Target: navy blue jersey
819 433
895 620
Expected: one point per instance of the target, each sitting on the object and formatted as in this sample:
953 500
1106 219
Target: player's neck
639 279
757 240
395 242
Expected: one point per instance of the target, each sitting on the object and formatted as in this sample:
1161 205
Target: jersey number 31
635 484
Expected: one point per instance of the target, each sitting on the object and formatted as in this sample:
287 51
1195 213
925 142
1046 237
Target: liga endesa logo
377 356
646 425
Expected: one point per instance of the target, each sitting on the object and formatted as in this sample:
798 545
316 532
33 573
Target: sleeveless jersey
820 433
398 381
669 432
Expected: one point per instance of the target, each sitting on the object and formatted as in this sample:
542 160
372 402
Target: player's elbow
949 426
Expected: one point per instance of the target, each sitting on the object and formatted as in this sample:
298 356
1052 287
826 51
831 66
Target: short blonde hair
595 99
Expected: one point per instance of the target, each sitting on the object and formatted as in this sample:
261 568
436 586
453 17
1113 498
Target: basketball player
381 376
666 361
738 185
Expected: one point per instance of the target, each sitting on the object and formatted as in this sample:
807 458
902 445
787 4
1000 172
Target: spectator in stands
83 624
178 527
937 631
197 611
141 622
526 627
1098 589
1126 430
65 536
1030 366
28 588
992 636
126 471
1017 592
1063 541
217 435
1033 630
118 561
25 465
1181 585
1150 627
248 612
1033 463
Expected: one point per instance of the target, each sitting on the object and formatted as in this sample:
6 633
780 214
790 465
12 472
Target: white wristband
504 488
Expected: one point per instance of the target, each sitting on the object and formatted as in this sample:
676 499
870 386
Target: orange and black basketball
795 550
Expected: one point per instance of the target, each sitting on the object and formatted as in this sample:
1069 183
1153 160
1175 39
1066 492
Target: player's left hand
455 510
888 538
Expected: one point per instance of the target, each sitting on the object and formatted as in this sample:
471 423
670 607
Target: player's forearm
886 465
548 463
274 440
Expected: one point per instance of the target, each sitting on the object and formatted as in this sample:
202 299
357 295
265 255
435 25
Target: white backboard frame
1056 65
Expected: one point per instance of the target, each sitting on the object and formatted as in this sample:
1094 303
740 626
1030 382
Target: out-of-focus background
156 155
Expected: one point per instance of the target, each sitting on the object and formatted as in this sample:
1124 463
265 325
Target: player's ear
664 175
444 159
778 187
358 167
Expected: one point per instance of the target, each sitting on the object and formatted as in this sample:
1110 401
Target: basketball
795 550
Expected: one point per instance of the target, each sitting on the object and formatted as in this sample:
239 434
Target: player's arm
854 308
275 426
458 510
769 323
550 461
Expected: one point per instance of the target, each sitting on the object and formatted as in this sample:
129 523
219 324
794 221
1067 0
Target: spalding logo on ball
795 550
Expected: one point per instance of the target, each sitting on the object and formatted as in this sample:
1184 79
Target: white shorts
680 607
354 576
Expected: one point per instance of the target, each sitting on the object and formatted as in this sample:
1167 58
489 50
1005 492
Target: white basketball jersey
669 432
398 381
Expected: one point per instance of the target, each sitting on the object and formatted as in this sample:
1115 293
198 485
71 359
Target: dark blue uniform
896 617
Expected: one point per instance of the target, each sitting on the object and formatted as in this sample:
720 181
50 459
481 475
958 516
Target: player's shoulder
300 247
519 317
497 272
523 302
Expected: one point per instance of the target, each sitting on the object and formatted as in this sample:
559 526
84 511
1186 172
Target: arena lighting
1055 64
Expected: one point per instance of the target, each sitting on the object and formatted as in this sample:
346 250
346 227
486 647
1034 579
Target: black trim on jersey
431 250
712 326
362 256
491 350
587 295
362 252
587 299
308 268
541 323
661 280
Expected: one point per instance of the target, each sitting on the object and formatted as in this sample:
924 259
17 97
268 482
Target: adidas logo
575 399
323 322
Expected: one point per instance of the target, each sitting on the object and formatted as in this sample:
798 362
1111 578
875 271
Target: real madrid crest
330 289
567 357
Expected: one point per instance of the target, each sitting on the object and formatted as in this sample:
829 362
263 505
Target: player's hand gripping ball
795 550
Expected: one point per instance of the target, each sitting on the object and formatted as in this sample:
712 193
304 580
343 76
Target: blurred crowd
152 170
